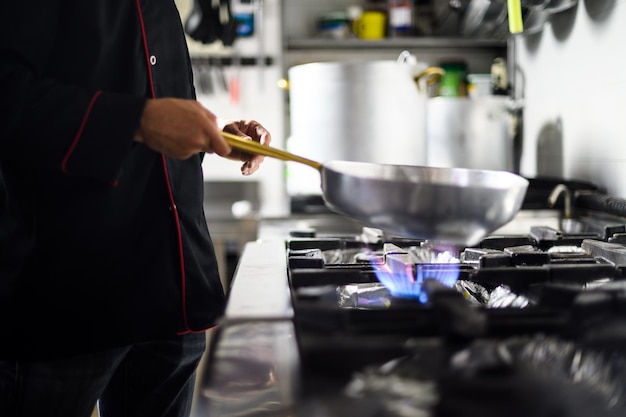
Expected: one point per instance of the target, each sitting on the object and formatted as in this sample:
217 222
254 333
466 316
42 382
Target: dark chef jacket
117 247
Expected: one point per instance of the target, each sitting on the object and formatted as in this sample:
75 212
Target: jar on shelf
400 18
453 82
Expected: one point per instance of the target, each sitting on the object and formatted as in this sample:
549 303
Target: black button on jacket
109 239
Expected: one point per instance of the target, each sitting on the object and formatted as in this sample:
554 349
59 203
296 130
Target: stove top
374 315
334 319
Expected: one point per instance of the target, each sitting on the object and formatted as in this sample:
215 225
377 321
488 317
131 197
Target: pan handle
259 149
431 75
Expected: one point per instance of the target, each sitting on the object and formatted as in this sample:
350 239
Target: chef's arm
180 128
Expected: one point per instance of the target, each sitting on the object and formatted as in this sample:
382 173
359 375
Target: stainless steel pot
455 206
476 133
371 111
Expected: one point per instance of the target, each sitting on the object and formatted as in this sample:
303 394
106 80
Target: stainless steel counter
253 362
324 224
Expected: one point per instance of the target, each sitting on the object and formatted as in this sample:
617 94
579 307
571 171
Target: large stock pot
368 111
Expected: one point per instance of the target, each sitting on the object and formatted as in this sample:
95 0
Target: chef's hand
247 129
180 128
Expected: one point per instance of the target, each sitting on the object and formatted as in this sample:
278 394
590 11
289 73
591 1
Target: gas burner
507 285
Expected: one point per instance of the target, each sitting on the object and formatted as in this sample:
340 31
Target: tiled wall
575 83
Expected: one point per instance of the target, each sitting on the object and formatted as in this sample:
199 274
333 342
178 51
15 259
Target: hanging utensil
516 23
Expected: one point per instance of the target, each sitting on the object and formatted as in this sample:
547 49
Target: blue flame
407 281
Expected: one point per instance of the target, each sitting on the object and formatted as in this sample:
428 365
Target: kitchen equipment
211 21
475 133
401 18
535 19
541 4
557 6
456 206
473 16
453 82
499 77
334 25
483 18
533 325
369 111
370 24
479 85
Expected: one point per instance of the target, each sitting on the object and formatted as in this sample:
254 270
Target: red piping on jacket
79 133
167 177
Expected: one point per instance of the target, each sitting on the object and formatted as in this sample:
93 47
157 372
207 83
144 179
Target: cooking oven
327 317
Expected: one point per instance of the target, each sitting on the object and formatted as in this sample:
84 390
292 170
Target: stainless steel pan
448 205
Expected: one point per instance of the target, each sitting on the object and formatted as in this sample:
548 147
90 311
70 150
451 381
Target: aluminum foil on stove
352 256
420 255
400 395
535 376
499 297
502 297
363 295
561 376
432 255
473 292
603 372
376 295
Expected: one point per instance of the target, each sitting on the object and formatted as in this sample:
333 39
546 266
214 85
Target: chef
114 279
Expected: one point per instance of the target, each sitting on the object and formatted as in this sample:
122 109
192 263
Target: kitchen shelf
395 43
226 61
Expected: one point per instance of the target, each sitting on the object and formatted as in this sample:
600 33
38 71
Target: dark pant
153 379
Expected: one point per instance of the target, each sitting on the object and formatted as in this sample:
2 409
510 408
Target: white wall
260 99
575 71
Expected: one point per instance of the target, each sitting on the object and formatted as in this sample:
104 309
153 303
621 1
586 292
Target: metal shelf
418 42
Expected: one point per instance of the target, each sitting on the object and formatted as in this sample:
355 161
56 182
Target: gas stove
331 318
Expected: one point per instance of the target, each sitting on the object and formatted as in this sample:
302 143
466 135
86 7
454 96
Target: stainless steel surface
254 364
254 371
256 293
323 224
556 193
452 205
358 111
474 133
474 15
483 19
549 151
253 367
525 219
448 205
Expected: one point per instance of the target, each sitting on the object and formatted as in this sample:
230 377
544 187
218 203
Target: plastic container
454 82
334 25
401 23
479 85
